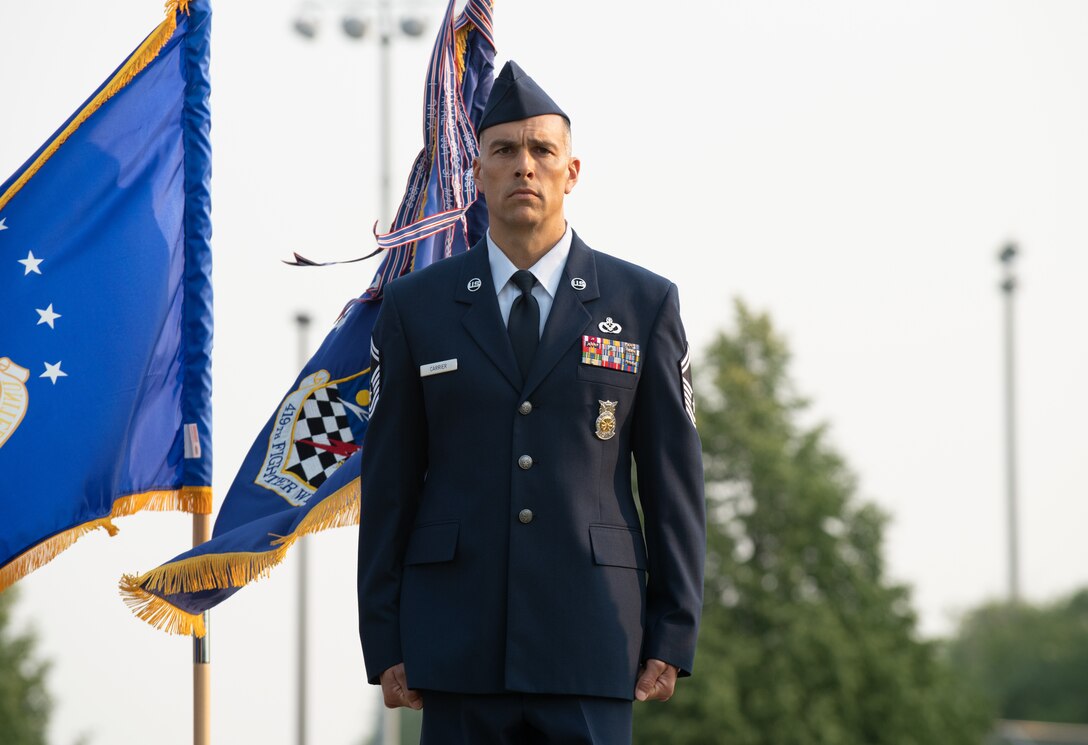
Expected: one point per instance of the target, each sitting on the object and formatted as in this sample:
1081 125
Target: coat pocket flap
608 376
617 546
432 543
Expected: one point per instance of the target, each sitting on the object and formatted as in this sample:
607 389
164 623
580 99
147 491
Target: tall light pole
1006 256
385 23
356 26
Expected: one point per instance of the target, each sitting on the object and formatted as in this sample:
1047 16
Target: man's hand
395 689
655 683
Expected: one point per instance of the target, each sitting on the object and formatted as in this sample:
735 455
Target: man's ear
476 175
573 169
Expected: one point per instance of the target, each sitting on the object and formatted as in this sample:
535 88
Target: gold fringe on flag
460 46
139 59
192 499
159 613
143 593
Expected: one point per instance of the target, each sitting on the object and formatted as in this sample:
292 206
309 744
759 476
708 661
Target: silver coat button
525 407
526 462
525 516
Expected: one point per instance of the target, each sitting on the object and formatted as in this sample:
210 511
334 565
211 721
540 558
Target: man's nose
523 165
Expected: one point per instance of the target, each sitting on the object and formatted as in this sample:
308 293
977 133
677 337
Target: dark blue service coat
500 547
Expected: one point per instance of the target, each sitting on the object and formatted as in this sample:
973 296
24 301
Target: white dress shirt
548 272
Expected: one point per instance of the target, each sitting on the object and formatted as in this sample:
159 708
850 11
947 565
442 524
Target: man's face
525 169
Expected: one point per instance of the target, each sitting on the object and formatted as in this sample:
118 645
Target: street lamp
1006 256
358 21
354 26
308 21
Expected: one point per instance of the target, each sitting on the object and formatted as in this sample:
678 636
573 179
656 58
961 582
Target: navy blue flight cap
514 96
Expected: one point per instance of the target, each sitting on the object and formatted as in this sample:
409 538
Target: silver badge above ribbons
609 326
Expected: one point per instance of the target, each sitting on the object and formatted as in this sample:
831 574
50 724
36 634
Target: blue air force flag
105 284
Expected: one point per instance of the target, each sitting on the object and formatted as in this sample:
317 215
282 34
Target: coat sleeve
668 457
394 462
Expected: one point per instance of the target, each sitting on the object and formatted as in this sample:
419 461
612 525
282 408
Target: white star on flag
2 225
31 263
47 316
53 372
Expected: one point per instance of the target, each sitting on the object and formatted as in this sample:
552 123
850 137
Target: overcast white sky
850 167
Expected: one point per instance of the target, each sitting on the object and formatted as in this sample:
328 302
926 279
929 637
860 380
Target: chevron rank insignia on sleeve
685 385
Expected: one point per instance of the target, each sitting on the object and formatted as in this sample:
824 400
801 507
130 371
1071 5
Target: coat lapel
568 318
482 320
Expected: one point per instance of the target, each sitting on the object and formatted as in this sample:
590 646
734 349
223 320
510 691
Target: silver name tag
437 368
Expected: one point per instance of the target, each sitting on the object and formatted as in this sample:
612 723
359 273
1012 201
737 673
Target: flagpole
202 657
302 323
196 117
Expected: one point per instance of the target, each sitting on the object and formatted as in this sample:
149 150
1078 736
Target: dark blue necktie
524 323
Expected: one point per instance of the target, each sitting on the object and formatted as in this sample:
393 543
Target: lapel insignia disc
606 420
578 283
610 353
609 326
474 284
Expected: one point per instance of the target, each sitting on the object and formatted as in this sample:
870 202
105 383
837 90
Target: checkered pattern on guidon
611 353
323 419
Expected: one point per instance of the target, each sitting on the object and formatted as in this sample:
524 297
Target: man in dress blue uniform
506 584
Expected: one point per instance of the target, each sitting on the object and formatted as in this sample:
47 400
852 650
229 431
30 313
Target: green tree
24 701
804 640
1031 661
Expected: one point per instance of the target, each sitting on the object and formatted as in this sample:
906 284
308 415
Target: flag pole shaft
202 667
302 324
